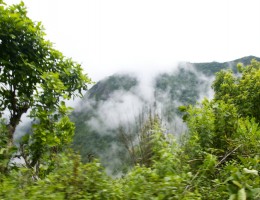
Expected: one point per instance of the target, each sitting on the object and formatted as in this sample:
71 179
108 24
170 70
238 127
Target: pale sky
107 36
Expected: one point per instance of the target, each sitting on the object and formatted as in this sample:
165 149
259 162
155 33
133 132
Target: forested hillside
215 156
121 103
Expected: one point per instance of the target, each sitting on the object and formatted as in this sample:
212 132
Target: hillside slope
118 101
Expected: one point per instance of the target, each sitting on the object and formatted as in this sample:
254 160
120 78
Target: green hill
97 133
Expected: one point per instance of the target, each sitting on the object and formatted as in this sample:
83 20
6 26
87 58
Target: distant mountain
104 88
117 101
213 67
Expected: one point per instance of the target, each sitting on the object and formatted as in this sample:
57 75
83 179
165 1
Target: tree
36 77
222 145
137 140
242 91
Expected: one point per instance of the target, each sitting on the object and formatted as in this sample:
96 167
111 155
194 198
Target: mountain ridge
112 82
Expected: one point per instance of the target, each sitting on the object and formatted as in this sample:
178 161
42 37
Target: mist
119 101
102 116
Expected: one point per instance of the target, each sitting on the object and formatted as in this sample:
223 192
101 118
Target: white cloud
110 36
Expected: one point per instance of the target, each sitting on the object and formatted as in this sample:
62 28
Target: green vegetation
226 133
34 77
184 86
218 157
171 83
103 89
210 69
88 141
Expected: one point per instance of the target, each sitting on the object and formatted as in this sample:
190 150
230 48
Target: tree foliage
37 78
242 91
227 129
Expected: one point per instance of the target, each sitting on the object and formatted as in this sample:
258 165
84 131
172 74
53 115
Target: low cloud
123 108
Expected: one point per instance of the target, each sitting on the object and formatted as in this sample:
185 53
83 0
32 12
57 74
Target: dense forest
215 157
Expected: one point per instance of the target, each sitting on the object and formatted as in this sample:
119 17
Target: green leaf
241 194
250 171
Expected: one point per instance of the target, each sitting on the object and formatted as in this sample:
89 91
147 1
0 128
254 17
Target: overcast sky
107 36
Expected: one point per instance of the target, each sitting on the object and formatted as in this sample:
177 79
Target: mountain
213 67
119 100
103 89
